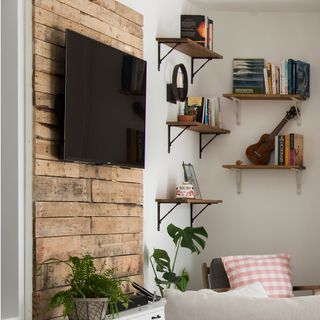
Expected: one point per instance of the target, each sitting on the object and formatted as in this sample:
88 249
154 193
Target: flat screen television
105 104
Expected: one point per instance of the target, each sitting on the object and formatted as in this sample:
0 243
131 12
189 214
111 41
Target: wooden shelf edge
264 96
194 201
198 51
198 127
264 167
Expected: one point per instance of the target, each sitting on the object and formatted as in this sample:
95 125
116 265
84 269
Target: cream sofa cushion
207 304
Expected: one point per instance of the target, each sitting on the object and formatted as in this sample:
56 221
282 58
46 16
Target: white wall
163 171
268 216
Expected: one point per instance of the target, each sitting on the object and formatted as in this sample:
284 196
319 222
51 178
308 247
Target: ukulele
259 153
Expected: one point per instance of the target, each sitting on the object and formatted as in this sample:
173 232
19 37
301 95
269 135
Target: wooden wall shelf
237 98
198 127
189 47
264 96
240 167
190 202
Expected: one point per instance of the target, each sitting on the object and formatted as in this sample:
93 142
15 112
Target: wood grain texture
110 191
102 225
67 220
54 227
52 275
61 189
97 245
81 209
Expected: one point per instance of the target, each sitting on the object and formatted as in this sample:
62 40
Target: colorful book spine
298 150
273 79
281 154
287 150
266 83
292 157
276 150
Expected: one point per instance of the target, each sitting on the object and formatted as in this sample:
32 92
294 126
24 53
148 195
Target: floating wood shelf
188 47
237 98
201 128
240 167
243 96
190 202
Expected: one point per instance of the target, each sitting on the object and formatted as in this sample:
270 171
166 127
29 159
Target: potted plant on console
92 293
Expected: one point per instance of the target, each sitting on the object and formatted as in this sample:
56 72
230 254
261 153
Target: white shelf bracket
237 104
239 180
298 180
298 104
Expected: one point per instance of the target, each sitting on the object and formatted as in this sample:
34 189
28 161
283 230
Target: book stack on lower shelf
288 150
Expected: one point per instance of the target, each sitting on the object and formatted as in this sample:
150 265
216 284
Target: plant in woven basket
190 238
92 293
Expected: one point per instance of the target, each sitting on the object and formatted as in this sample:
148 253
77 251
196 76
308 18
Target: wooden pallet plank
49 66
107 4
44 149
81 209
110 191
61 189
47 132
52 275
109 225
48 34
46 83
45 116
129 175
128 13
55 227
45 100
97 245
48 50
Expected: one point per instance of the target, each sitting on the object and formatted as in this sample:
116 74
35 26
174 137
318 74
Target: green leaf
183 281
191 238
162 260
169 276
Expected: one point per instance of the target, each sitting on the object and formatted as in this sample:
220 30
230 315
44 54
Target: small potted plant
92 294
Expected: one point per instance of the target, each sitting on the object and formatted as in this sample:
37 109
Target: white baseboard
11 319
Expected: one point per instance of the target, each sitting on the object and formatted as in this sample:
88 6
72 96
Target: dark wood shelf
190 202
190 48
244 96
185 200
265 167
198 127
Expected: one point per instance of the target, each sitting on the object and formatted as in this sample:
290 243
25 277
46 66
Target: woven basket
90 309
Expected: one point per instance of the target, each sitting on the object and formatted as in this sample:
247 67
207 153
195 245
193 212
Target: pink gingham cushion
273 271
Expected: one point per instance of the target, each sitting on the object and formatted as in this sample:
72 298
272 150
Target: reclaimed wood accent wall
79 208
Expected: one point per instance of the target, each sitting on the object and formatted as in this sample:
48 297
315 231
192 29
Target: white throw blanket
209 305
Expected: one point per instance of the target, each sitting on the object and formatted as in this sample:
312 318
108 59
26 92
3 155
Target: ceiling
262 5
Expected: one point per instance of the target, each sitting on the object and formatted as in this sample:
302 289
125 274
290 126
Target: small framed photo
190 176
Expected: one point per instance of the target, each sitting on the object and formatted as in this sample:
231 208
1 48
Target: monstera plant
164 269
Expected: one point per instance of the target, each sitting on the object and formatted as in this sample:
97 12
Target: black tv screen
105 104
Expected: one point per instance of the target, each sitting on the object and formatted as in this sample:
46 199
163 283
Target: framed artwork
190 176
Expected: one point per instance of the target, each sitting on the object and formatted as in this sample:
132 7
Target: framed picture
190 176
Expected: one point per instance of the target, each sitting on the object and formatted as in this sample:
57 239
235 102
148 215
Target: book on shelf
198 28
207 110
303 78
248 76
291 77
288 150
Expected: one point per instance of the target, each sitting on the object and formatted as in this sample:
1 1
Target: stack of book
206 110
288 150
291 77
198 28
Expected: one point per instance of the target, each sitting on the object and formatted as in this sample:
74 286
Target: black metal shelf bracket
201 148
170 142
192 218
193 73
159 53
159 215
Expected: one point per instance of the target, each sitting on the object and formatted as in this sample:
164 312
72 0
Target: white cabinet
152 311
